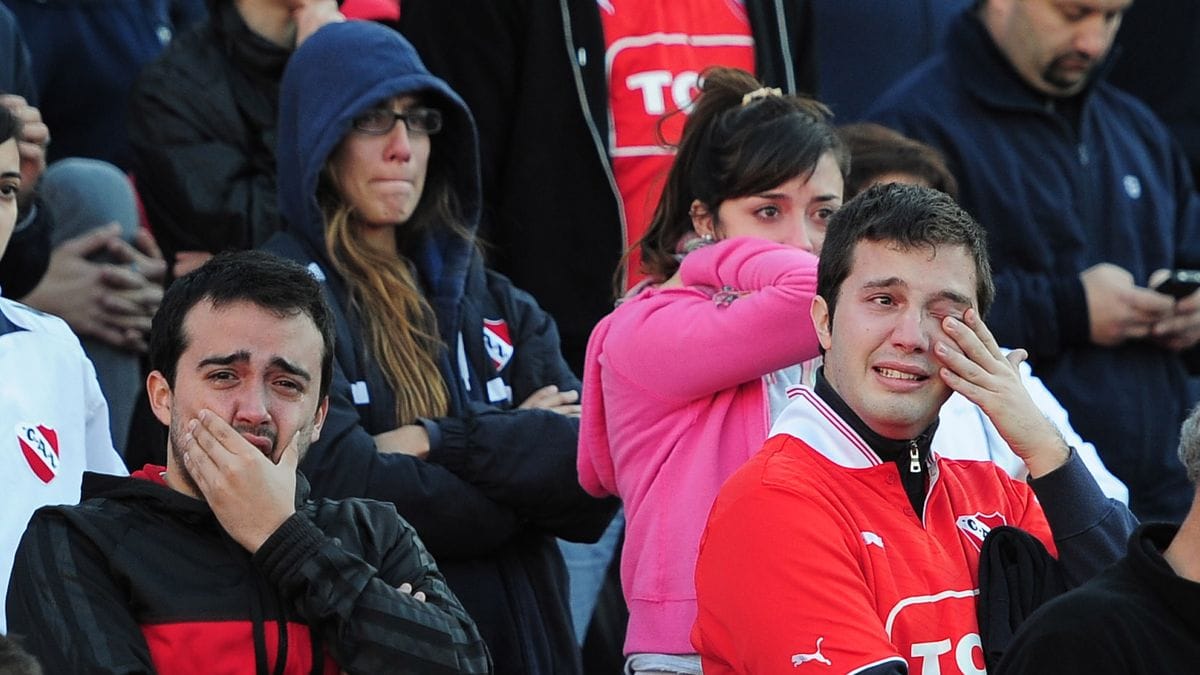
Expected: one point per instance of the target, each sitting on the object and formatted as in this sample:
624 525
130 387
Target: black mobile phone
1180 284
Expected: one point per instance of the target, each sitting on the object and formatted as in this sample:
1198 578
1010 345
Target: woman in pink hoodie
682 380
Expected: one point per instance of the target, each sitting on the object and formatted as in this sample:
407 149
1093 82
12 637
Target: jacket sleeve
202 190
1090 530
525 459
454 518
805 591
745 313
370 625
67 607
1187 230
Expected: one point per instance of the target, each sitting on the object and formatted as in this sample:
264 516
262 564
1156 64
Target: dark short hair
280 286
876 151
10 126
910 216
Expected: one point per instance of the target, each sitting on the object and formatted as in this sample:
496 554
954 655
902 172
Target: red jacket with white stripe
814 558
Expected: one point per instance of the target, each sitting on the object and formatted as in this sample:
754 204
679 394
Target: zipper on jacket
785 42
573 52
914 457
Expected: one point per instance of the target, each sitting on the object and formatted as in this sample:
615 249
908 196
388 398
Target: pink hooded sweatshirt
674 402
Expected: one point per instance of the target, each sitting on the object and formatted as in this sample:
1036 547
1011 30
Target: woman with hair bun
682 380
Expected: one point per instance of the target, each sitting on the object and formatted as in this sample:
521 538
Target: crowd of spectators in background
591 268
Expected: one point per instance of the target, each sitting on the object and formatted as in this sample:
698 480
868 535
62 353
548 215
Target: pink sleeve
743 313
594 463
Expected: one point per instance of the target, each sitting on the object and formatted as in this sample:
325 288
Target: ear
822 321
319 419
159 391
702 220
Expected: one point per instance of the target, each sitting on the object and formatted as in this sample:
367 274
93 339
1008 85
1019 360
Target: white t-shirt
53 423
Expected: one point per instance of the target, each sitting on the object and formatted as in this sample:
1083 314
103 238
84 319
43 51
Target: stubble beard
1054 76
177 436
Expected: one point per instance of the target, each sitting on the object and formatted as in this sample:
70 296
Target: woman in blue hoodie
450 397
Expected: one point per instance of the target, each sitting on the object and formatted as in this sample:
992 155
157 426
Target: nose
399 145
912 330
1095 35
251 406
798 236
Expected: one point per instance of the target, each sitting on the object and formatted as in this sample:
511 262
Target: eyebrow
290 368
10 174
243 356
780 196
945 294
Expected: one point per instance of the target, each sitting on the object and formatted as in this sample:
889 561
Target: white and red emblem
39 445
497 342
977 527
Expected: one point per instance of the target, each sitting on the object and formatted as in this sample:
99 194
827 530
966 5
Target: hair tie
761 92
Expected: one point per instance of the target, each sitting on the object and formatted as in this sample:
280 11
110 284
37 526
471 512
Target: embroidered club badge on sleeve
39 446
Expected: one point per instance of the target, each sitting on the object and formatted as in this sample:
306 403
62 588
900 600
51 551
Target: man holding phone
1088 202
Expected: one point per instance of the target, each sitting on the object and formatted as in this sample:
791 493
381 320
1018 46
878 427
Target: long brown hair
732 149
399 323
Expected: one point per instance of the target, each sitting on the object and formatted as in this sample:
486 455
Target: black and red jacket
140 578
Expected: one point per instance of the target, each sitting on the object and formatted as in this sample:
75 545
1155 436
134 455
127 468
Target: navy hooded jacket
499 482
1058 196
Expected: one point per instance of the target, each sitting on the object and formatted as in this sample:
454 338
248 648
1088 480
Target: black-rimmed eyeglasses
380 121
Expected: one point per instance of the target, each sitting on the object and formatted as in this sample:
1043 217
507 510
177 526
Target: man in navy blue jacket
1085 196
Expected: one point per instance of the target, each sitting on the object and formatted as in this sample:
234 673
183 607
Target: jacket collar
147 484
988 76
7 326
888 449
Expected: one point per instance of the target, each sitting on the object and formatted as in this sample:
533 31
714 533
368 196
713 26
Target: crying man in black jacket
219 561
